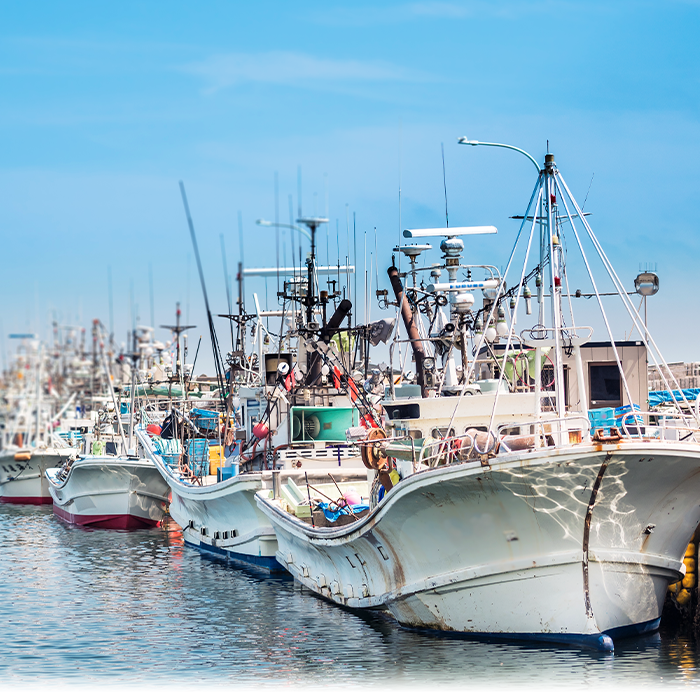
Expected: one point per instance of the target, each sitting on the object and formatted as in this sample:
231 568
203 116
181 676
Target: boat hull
25 482
222 520
110 492
575 544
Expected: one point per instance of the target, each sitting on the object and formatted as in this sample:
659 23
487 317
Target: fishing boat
28 445
23 473
112 492
526 494
279 423
107 485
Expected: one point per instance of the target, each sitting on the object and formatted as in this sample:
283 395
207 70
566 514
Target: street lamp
470 142
263 222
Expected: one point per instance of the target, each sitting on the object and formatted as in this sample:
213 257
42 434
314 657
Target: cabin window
605 384
404 411
442 433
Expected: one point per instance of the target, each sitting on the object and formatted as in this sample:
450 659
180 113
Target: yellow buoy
689 564
688 581
23 456
683 597
690 552
675 588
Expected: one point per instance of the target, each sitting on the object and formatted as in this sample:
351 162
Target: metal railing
647 431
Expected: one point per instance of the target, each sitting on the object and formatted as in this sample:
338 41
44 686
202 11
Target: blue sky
106 107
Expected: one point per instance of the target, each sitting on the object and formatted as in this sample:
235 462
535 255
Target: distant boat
23 473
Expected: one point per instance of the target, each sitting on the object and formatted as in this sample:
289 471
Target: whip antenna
444 184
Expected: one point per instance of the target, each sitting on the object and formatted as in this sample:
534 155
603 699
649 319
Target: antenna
444 184
240 241
228 286
277 228
150 290
111 302
291 226
583 206
299 189
400 228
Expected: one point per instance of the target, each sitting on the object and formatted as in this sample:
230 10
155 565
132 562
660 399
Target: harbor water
82 606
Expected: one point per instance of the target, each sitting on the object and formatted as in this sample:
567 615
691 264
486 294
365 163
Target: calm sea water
140 607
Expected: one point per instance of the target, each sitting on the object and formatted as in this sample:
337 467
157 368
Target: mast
178 329
555 274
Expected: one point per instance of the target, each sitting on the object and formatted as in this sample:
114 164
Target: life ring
373 456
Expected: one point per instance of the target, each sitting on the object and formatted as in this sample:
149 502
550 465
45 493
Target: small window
605 384
404 411
442 432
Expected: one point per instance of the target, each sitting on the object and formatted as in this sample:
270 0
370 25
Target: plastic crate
205 419
630 420
223 473
198 456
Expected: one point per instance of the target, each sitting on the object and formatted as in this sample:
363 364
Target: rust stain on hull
587 532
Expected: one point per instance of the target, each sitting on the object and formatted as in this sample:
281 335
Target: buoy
690 552
23 456
688 581
261 431
153 429
689 564
352 498
683 597
675 588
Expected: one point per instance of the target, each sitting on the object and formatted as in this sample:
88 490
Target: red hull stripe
28 500
109 522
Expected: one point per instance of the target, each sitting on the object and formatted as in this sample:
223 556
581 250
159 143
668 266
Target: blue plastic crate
630 420
223 473
198 456
205 419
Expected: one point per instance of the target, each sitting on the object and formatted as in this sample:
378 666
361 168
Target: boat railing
449 450
479 444
661 429
566 430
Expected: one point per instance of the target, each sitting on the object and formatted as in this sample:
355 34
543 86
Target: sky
106 107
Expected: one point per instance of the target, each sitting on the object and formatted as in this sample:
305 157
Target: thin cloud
415 11
294 69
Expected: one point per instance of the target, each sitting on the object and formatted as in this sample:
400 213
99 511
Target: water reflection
103 606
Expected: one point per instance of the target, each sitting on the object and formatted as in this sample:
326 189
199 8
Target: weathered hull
222 519
25 481
110 492
575 544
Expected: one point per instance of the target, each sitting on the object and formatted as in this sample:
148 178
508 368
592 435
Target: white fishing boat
113 492
107 485
502 506
28 446
23 473
281 427
220 517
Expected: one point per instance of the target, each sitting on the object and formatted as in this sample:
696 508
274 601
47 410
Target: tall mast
555 275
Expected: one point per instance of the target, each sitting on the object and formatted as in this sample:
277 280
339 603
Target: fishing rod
218 362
